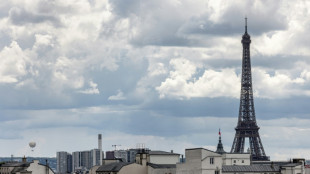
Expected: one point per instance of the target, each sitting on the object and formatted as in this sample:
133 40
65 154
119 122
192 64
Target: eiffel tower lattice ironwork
247 126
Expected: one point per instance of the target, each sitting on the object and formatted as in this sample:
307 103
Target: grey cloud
231 22
226 107
126 8
169 26
155 23
20 16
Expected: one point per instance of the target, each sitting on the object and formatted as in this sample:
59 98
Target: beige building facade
25 168
147 162
204 161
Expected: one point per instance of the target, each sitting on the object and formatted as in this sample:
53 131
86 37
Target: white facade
161 157
236 159
293 169
36 168
200 161
95 157
203 161
164 159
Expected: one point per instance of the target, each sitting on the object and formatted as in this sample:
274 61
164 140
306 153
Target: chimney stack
24 160
100 147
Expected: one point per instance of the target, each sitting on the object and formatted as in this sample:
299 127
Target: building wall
237 159
62 162
200 161
95 157
69 163
109 155
76 160
36 168
7 170
121 154
193 162
93 169
86 159
131 155
161 170
293 170
211 163
133 169
164 159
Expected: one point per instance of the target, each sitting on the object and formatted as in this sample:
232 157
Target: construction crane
115 146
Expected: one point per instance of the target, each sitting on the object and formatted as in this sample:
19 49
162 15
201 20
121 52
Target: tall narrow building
247 126
64 162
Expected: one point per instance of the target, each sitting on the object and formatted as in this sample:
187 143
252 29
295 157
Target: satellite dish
32 145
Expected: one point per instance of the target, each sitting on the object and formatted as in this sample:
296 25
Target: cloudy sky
165 73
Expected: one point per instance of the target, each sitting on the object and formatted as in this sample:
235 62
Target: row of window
241 161
212 160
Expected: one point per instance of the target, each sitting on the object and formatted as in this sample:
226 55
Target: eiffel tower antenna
247 126
246 24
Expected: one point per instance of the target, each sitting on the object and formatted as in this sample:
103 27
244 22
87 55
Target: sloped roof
162 166
251 168
291 165
112 167
16 164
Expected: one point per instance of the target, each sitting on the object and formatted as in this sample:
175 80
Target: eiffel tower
247 126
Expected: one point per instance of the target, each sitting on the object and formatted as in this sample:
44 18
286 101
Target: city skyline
163 73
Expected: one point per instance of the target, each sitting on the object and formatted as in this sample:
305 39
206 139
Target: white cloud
92 90
13 63
118 96
181 82
157 69
279 85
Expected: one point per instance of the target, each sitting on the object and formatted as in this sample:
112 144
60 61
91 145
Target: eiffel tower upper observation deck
247 126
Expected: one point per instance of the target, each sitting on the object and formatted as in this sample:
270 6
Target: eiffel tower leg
238 144
257 149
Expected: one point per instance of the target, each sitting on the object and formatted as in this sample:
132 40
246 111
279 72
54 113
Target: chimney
100 148
24 160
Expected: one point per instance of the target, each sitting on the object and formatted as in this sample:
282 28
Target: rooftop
157 152
112 167
16 164
251 168
162 166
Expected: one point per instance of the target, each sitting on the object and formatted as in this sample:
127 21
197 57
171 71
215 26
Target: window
211 160
234 161
242 161
216 172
